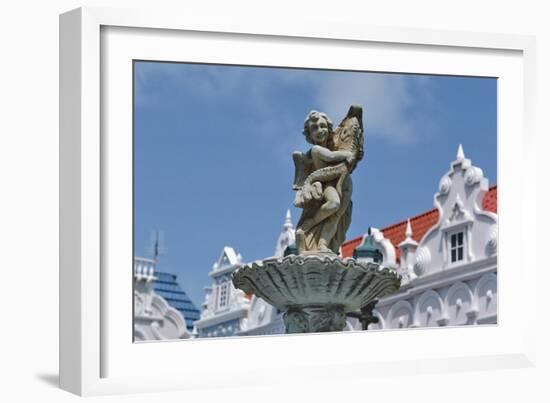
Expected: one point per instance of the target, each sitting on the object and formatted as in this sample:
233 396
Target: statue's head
317 128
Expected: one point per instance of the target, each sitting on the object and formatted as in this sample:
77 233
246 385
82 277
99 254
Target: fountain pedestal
316 291
315 318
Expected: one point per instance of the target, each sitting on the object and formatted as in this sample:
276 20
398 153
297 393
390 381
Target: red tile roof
420 225
490 200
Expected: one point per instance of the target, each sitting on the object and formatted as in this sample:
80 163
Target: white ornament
445 185
458 303
473 176
492 243
423 259
489 294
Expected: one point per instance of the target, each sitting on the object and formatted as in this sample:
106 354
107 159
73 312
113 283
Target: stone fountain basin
310 280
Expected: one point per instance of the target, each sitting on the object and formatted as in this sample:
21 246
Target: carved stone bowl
312 285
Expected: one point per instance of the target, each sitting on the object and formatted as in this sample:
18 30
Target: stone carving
322 180
313 319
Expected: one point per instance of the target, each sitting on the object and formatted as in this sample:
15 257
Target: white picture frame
96 354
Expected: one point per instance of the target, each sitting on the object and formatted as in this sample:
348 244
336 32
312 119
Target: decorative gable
461 233
228 258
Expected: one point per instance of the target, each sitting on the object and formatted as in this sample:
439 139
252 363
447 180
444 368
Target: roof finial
288 220
408 241
408 230
286 237
460 153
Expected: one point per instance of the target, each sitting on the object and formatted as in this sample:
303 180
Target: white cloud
397 108
394 106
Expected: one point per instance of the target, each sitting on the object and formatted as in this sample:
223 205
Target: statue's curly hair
315 116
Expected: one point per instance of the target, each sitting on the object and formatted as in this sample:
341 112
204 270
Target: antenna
157 242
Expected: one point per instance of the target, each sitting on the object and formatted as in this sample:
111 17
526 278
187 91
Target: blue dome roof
167 286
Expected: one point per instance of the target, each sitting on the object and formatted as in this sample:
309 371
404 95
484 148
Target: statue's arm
331 157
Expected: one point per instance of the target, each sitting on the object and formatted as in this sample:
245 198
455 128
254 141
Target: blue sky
213 145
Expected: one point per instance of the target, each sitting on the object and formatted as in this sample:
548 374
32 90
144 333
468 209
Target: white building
447 256
225 308
154 318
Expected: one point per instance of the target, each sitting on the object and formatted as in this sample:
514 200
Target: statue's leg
301 240
329 207
329 230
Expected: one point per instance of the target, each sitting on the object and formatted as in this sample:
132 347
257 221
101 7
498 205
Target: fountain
315 287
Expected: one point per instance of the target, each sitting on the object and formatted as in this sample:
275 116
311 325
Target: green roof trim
367 250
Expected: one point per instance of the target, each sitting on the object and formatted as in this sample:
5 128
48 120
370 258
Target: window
457 247
223 291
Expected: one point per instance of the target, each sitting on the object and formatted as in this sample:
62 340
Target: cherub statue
322 180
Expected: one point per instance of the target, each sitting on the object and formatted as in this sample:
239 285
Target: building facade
447 256
225 308
154 317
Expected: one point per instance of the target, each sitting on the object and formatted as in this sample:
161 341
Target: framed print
180 122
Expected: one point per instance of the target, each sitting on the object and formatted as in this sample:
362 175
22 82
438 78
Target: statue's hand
308 193
299 199
317 190
312 191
